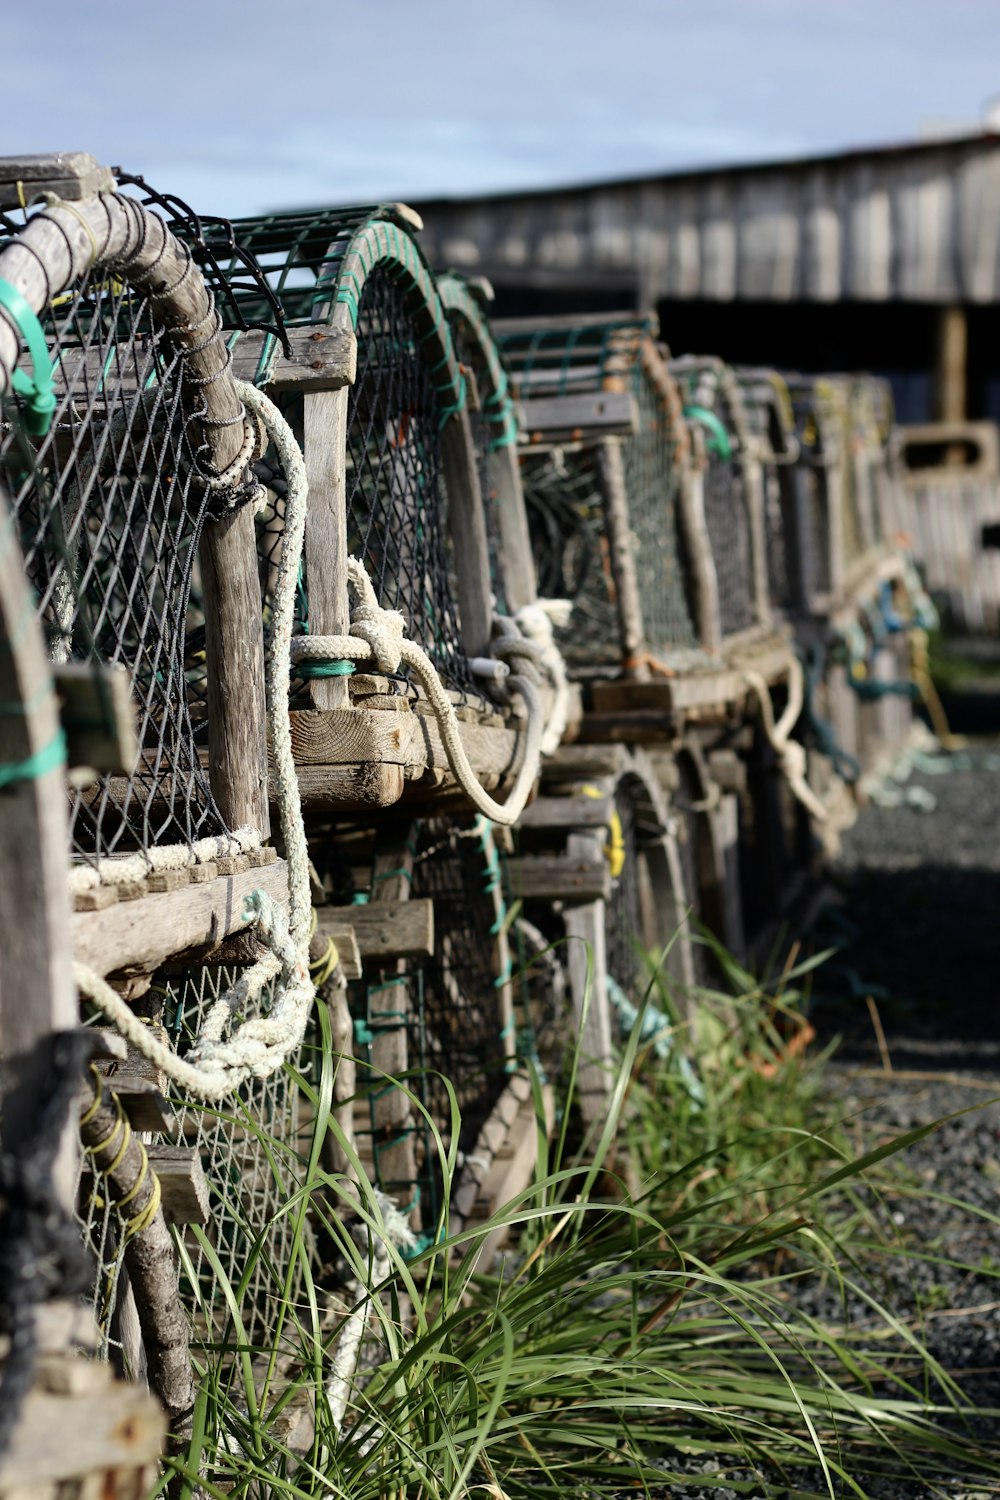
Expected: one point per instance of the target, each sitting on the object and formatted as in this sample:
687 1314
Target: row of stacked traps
426 684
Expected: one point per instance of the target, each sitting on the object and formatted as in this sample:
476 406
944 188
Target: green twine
332 668
38 391
34 766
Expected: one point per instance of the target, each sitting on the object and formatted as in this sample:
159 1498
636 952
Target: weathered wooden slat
109 1432
561 877
146 932
183 1186
568 812
68 174
322 359
467 524
588 413
342 933
326 788
234 653
669 695
394 737
583 763
97 715
143 1103
385 929
325 440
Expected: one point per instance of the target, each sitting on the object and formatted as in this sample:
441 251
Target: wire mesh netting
463 1036
397 507
565 499
109 511
397 503
724 495
252 1148
645 908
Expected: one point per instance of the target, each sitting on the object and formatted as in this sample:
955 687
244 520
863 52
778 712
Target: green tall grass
646 1330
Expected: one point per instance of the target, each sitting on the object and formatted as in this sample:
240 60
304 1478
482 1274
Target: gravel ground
915 911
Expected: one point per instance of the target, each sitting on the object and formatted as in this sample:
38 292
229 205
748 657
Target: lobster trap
378 399
124 450
447 1017
856 600
607 851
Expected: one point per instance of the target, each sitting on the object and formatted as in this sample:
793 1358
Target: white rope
790 754
259 1046
376 1244
530 638
376 635
122 869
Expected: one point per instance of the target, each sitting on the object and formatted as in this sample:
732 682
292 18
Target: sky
240 108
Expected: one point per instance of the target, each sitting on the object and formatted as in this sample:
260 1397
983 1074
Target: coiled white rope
790 754
217 1065
377 635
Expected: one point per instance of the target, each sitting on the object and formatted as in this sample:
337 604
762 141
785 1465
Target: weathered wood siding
918 223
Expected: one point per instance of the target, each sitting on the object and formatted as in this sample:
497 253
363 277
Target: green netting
563 489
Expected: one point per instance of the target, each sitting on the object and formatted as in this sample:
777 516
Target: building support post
951 371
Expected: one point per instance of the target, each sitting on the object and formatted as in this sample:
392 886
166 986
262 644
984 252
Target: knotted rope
377 635
217 1065
791 756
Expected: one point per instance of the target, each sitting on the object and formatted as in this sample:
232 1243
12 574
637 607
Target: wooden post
37 994
691 501
633 640
467 524
512 525
234 654
950 377
585 929
325 445
753 483
392 872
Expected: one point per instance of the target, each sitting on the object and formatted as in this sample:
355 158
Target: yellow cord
614 850
71 208
147 1213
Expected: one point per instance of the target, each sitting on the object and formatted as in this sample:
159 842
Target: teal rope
719 441
37 392
311 669
34 766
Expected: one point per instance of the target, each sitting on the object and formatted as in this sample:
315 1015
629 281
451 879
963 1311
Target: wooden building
885 259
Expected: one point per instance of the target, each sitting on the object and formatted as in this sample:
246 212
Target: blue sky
240 108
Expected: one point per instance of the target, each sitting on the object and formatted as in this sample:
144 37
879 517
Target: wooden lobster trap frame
852 576
127 450
110 1435
130 484
379 402
615 479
